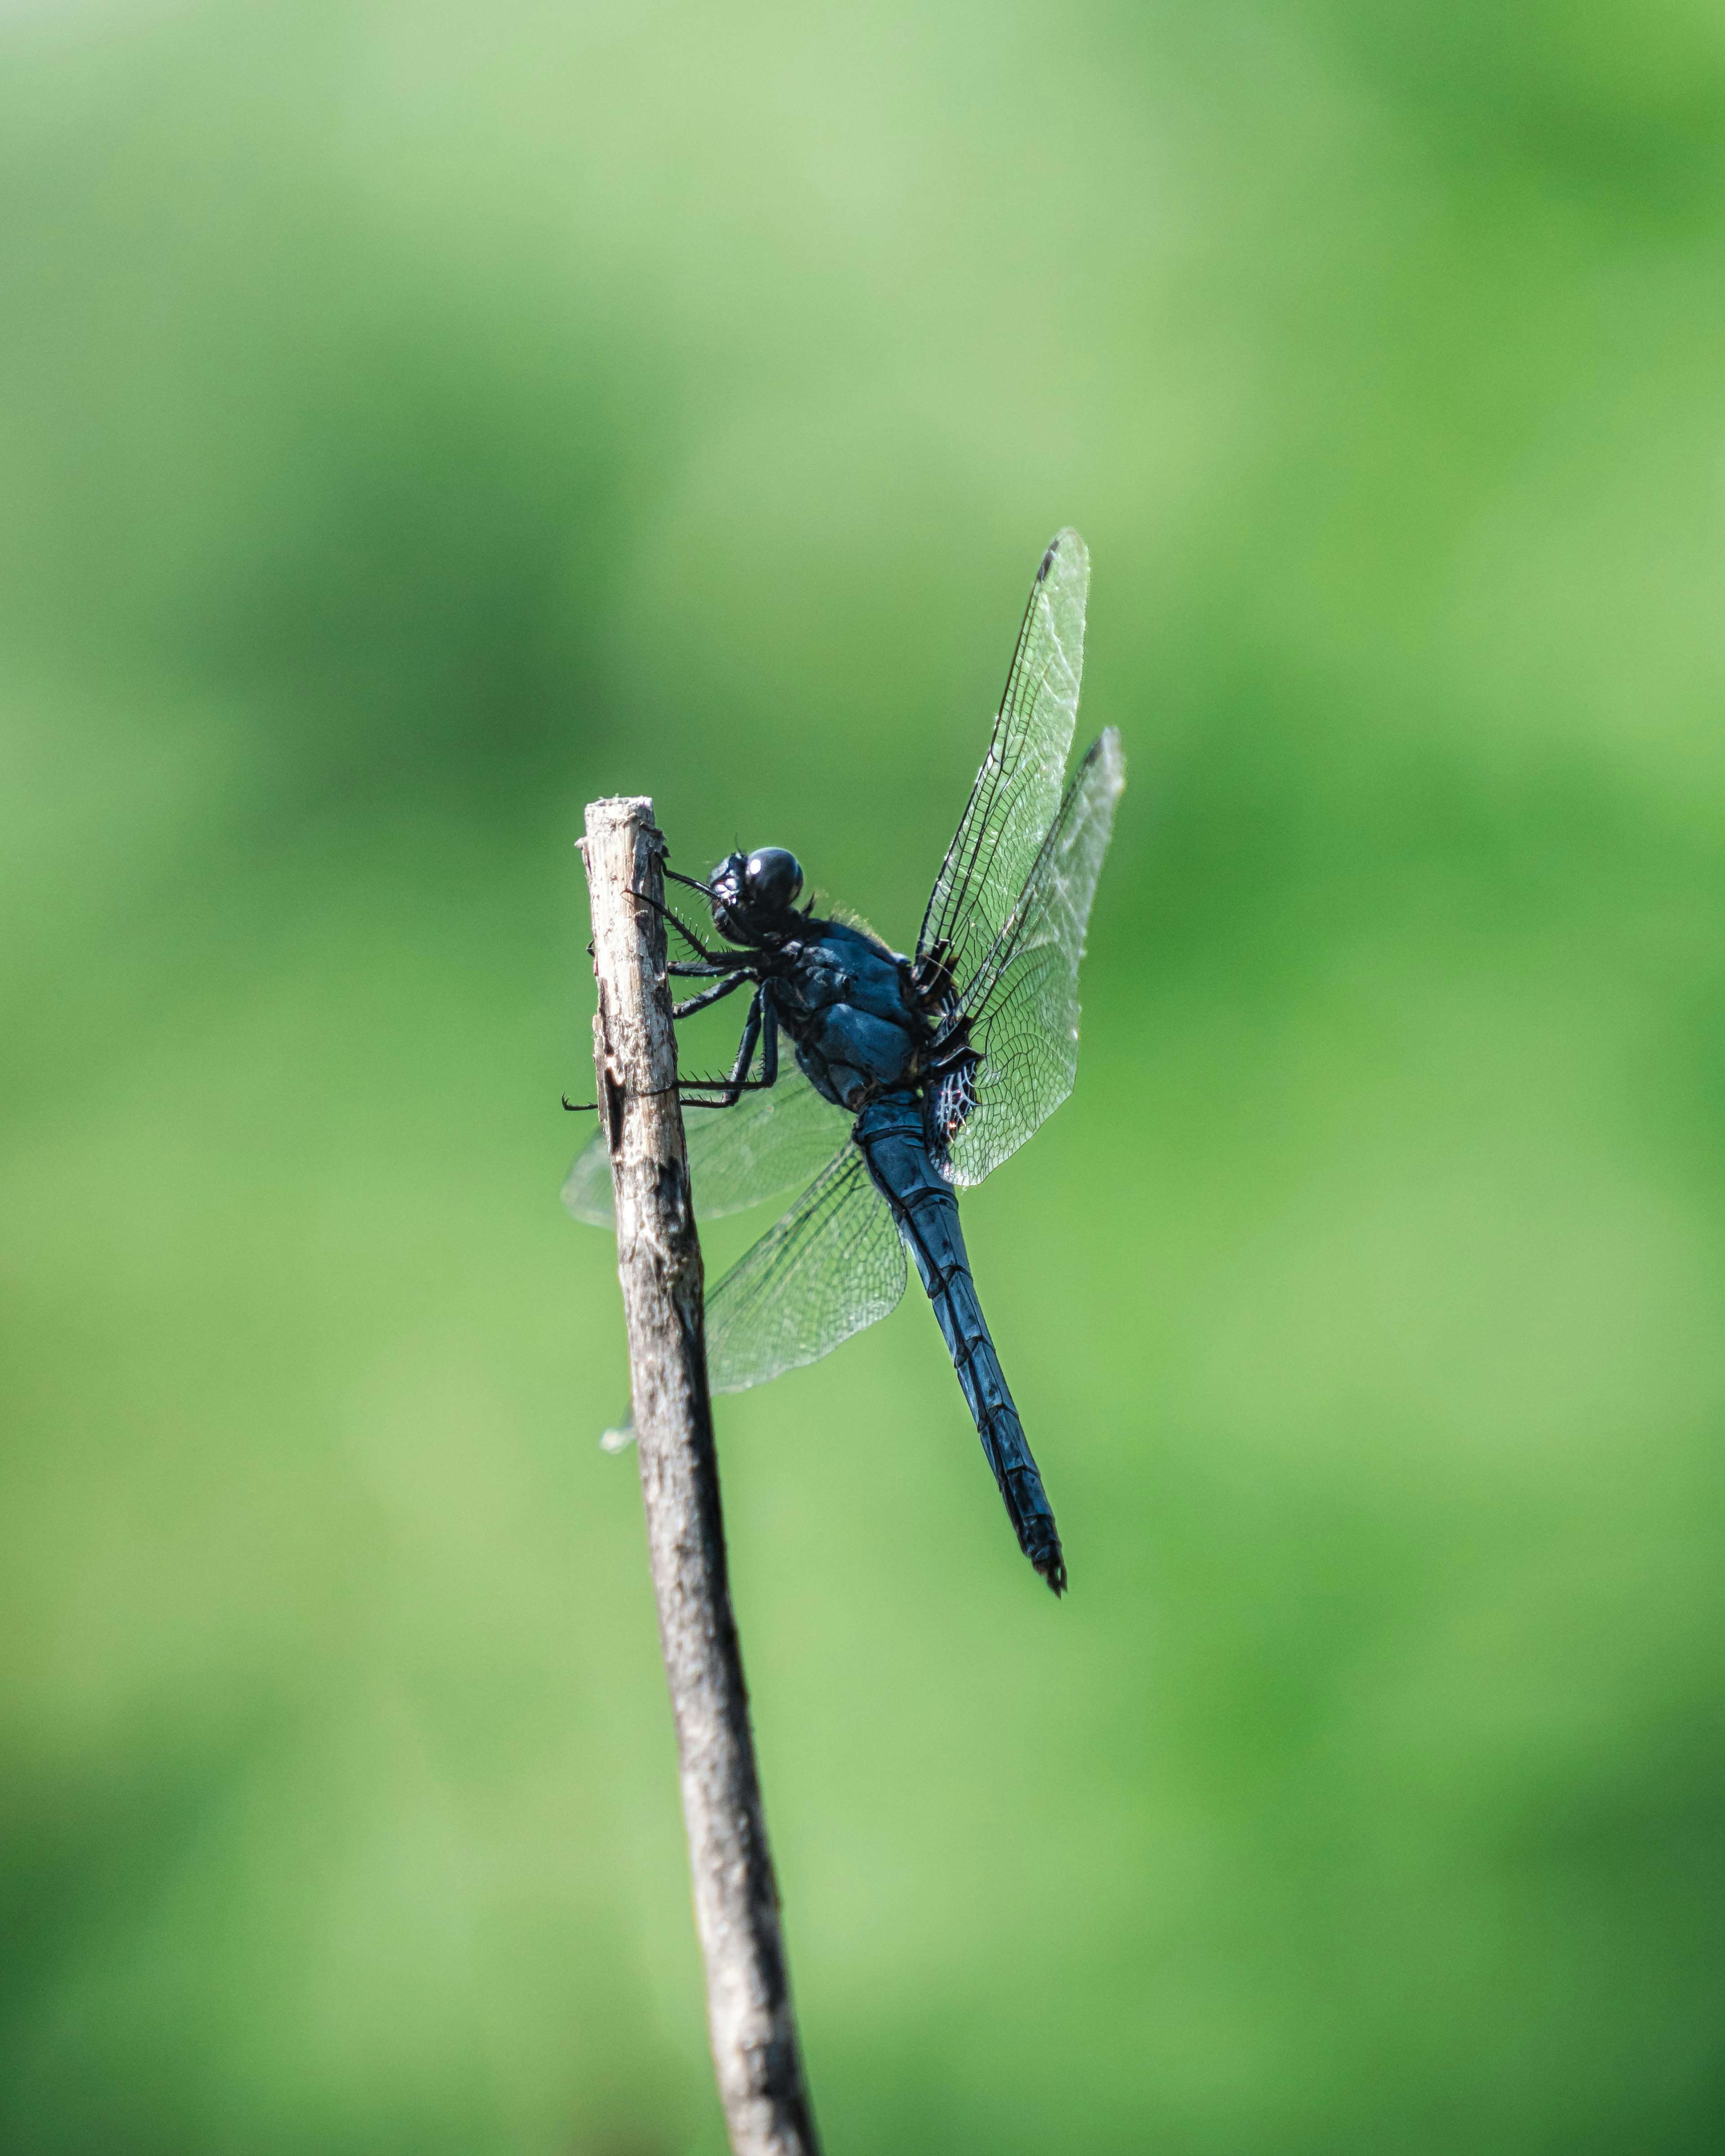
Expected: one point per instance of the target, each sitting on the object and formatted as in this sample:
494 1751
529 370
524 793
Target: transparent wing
587 1189
768 1142
832 1265
1023 1003
1018 789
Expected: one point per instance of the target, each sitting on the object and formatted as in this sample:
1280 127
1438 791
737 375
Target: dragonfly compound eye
773 878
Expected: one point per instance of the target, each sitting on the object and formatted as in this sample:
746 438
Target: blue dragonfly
910 1076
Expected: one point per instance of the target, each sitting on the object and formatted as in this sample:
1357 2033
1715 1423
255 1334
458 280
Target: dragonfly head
752 891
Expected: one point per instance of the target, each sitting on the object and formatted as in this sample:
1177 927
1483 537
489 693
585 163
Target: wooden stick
752 2029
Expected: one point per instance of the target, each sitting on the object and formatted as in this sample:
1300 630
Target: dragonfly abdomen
890 1134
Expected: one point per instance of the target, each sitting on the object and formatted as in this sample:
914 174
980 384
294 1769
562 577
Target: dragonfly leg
762 1011
694 883
727 961
730 982
681 927
745 1051
717 1085
716 994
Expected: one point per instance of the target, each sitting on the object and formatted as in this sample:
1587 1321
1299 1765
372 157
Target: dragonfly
910 1076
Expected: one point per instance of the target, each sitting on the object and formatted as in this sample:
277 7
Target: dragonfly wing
587 1192
832 1265
768 1142
1023 1005
1018 790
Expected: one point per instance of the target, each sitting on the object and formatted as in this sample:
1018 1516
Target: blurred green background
415 420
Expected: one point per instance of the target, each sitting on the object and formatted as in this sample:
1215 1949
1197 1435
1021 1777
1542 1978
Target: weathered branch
749 2017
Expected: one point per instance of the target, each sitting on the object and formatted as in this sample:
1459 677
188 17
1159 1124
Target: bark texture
750 2021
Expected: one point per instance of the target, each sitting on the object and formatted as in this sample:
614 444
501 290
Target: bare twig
749 2018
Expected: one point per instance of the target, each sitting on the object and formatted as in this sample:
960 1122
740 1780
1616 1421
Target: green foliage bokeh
417 420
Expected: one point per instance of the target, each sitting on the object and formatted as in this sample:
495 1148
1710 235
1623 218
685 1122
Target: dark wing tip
1055 546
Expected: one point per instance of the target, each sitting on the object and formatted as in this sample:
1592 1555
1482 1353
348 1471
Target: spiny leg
727 961
745 1050
731 1089
727 984
716 994
681 927
692 882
